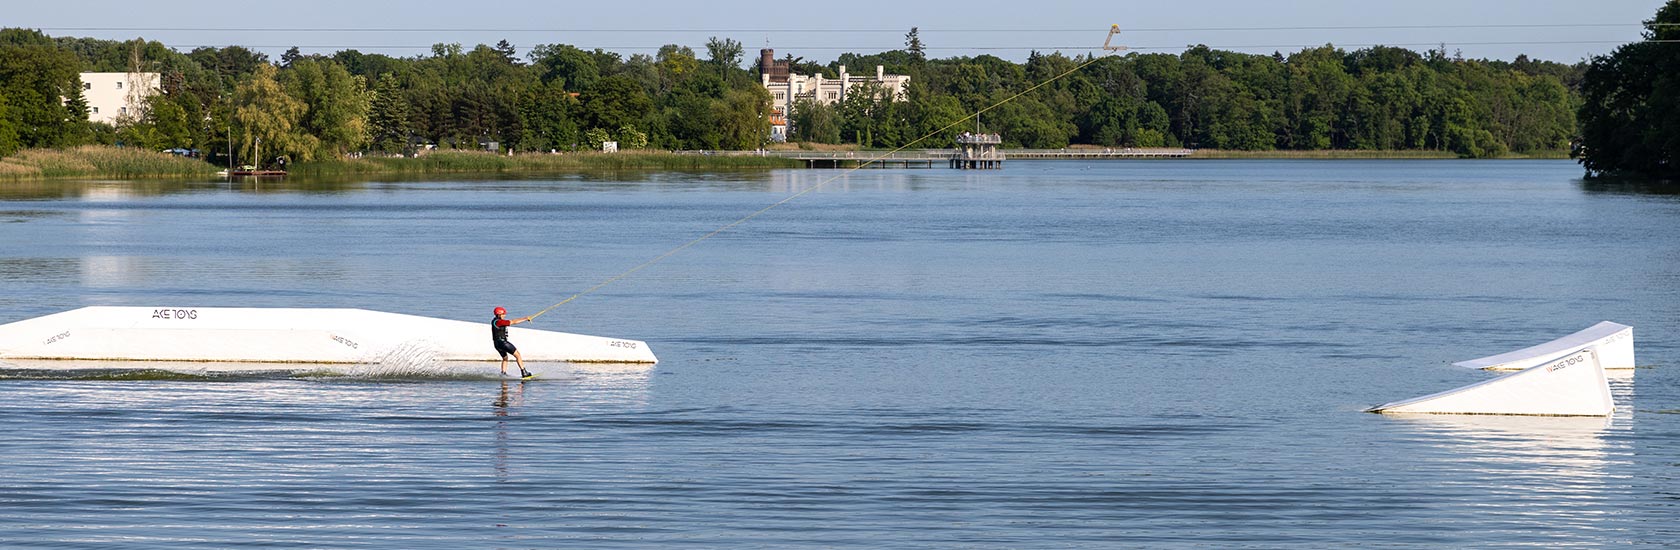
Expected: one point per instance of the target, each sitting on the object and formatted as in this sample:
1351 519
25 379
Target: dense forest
1630 118
560 97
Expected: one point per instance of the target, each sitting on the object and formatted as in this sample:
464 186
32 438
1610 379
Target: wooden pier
1107 153
978 152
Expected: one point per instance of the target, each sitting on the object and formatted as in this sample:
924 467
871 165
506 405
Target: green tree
1373 98
1319 88
723 54
388 116
1630 110
43 90
595 137
9 142
814 122
863 113
270 121
631 138
913 44
692 121
548 120
229 64
615 102
168 121
336 104
745 120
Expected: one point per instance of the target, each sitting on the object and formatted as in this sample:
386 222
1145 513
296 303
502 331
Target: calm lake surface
1162 354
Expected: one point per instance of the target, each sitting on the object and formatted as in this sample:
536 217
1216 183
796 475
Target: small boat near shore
252 171
258 173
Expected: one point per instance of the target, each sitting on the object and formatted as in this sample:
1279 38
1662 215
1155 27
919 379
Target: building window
87 85
122 110
833 96
780 95
95 110
119 85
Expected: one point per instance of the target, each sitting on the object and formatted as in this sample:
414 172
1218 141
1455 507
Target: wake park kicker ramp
1613 341
1572 385
287 335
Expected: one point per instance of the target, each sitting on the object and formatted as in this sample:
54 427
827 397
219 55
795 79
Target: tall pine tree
388 117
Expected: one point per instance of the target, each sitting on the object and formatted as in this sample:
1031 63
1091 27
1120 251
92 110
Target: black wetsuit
499 337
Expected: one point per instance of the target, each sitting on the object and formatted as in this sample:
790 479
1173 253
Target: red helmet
500 311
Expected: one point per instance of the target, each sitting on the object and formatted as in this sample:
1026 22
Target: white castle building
786 88
117 96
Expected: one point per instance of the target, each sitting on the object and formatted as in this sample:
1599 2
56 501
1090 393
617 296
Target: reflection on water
34 269
1545 482
1630 186
1622 384
1523 457
36 190
110 271
1568 446
794 181
1068 352
118 191
508 400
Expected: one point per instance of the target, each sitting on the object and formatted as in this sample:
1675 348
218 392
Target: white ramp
287 335
1613 341
1572 385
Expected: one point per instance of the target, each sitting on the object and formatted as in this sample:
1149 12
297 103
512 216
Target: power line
1000 48
853 30
1415 44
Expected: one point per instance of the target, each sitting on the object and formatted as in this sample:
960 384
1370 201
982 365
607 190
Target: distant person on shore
499 338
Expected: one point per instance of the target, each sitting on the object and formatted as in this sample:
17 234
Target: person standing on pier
499 337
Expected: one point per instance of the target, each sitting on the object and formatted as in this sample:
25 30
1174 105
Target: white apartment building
786 88
114 96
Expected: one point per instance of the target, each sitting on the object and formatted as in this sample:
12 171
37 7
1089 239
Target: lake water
1162 354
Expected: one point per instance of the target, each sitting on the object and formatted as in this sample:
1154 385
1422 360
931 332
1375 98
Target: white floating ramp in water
1572 385
1613 341
287 335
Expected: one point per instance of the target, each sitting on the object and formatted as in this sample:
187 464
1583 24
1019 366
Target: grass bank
1357 154
99 161
482 162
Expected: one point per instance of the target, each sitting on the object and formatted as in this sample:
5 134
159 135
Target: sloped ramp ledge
1613 341
1572 385
287 335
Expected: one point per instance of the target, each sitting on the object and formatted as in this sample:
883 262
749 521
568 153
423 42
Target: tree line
560 97
1630 116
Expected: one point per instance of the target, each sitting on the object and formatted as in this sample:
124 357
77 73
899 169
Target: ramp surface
288 335
1613 341
1572 385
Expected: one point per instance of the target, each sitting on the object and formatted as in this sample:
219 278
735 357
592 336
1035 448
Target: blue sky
1498 29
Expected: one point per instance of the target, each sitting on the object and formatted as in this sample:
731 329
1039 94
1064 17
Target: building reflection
794 181
111 271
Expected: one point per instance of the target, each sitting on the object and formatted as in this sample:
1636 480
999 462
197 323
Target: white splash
411 359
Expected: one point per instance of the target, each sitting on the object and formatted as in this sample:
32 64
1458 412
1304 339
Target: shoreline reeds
99 161
1359 154
484 162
